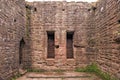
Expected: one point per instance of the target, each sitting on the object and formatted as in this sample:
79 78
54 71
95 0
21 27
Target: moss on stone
93 68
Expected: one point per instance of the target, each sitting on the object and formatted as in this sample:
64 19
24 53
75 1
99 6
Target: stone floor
59 76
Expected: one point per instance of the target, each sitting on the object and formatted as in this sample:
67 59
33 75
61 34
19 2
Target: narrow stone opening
63 9
21 48
15 20
119 21
35 9
51 44
70 45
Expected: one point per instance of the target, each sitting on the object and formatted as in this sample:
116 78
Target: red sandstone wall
106 30
59 17
12 29
91 32
99 29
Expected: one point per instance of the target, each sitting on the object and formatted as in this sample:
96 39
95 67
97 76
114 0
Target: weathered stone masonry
12 30
26 34
104 25
60 17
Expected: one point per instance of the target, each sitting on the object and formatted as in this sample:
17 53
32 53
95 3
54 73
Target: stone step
62 77
58 79
58 76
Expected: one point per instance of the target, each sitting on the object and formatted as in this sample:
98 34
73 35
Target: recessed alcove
119 21
51 44
35 9
21 48
117 39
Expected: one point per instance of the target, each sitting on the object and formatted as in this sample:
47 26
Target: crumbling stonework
12 30
60 17
29 31
104 24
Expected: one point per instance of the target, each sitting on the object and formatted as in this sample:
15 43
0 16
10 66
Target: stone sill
50 59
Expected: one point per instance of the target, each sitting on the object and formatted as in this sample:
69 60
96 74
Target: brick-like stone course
12 29
103 24
96 35
60 17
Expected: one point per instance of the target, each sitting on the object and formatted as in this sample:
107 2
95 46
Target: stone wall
60 17
12 30
96 35
105 37
91 30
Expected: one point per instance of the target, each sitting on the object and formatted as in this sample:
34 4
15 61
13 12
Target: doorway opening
21 49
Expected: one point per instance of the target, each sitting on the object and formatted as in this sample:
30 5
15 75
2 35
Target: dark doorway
21 48
70 44
51 45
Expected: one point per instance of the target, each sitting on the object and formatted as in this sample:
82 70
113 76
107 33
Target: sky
64 0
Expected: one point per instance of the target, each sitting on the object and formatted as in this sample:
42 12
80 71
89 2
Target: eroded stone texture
60 17
96 35
12 24
104 36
